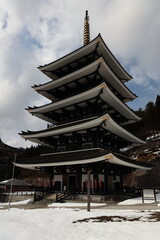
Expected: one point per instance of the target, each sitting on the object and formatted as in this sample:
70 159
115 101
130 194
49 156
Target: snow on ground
138 200
22 193
24 202
75 204
58 224
155 136
65 223
67 204
133 201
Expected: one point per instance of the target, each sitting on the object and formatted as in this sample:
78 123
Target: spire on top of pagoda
86 37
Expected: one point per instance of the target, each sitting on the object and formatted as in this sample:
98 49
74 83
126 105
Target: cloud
36 32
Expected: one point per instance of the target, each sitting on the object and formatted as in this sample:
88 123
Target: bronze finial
86 38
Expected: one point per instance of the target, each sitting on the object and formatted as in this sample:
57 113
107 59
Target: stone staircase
41 193
62 196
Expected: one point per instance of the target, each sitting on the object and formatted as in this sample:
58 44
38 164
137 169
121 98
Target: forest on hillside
150 120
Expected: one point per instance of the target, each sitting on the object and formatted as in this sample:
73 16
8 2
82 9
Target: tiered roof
90 81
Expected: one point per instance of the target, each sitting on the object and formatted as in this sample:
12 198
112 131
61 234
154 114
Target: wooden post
11 187
155 197
88 192
142 193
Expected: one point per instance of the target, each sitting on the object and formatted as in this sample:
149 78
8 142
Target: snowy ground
58 223
24 202
75 204
138 200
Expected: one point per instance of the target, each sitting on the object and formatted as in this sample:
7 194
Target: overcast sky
36 32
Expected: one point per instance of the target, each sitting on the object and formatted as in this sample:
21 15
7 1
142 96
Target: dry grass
153 217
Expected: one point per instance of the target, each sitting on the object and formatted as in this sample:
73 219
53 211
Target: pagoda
86 120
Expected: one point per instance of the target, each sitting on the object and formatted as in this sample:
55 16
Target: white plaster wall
58 178
84 178
117 178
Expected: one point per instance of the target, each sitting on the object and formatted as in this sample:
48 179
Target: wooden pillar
96 183
88 192
106 182
105 179
121 181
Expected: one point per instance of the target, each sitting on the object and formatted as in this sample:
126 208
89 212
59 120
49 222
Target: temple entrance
72 182
57 186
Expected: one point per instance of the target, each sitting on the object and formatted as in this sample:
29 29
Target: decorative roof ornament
86 38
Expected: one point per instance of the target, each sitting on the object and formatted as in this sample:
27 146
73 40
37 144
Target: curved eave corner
115 59
112 126
128 162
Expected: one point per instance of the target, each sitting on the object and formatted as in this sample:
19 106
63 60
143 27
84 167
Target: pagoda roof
96 44
105 121
6 147
98 65
104 93
86 156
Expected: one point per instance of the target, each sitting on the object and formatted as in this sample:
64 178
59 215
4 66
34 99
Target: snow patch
75 204
135 201
24 202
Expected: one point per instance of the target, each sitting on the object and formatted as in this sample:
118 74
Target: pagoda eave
101 67
96 44
105 121
102 91
62 159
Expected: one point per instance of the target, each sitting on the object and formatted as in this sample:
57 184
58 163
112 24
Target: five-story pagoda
87 115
